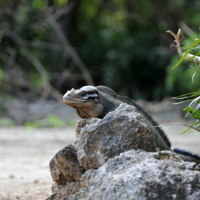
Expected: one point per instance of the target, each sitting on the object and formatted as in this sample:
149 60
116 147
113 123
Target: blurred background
50 46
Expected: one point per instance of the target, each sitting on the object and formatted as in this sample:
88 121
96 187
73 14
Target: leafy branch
178 42
194 97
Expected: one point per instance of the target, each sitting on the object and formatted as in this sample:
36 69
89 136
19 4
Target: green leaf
52 121
7 122
185 131
39 4
61 2
189 128
55 121
191 94
72 123
187 52
195 55
193 111
2 75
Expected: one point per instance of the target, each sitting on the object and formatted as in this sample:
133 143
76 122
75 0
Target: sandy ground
25 155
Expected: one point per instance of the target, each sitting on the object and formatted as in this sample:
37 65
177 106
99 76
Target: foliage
192 108
6 122
71 123
194 97
119 41
192 46
2 76
179 80
55 45
51 121
185 74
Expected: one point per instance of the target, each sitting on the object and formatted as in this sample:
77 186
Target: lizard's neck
109 103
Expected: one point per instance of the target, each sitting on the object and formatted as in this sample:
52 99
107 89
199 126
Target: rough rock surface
65 166
64 191
109 150
139 175
119 131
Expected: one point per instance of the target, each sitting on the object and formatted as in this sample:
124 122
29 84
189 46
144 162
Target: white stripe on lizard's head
85 93
88 88
88 93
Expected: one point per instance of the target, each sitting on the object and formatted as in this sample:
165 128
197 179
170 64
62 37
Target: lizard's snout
66 97
68 94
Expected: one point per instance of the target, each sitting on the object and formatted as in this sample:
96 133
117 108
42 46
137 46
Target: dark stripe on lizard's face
88 94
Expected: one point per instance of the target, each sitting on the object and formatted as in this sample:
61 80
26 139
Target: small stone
11 176
36 181
65 166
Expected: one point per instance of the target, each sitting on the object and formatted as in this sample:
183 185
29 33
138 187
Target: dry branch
64 10
70 50
178 43
177 124
12 57
29 43
45 80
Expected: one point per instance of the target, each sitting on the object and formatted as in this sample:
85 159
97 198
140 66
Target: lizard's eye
83 94
86 96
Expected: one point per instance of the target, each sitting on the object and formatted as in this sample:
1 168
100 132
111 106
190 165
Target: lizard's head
85 100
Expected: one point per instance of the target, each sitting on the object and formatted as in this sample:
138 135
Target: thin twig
10 12
186 29
176 124
60 12
70 50
29 43
12 57
64 10
45 79
195 73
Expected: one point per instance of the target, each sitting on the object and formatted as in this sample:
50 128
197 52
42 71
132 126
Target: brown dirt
25 156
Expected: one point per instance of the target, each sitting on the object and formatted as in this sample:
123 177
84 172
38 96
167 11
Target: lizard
90 101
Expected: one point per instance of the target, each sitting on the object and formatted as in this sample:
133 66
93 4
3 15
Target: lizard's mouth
70 101
79 102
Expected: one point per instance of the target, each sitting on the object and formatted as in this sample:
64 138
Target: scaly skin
90 101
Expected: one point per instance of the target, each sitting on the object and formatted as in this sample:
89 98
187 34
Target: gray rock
139 175
51 197
65 167
109 149
56 174
119 131
54 188
64 191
